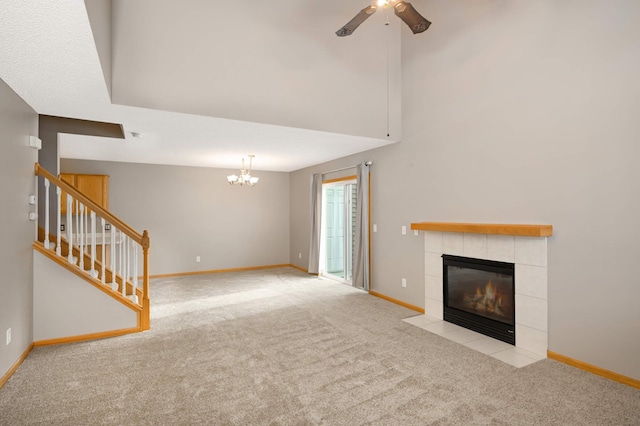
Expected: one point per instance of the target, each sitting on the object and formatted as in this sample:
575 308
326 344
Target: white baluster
123 273
127 258
128 263
58 239
119 248
94 271
114 284
86 233
135 272
47 184
103 241
78 217
81 236
70 228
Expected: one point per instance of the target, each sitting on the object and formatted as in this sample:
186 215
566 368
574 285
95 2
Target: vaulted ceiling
207 83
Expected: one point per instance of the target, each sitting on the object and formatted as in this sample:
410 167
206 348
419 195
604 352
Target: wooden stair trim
105 288
64 246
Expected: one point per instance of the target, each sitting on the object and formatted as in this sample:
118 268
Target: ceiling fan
403 9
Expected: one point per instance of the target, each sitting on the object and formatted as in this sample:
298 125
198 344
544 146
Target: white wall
99 12
193 211
520 112
17 182
260 61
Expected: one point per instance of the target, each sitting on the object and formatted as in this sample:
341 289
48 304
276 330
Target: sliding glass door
338 229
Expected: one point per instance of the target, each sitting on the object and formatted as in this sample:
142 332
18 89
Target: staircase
101 250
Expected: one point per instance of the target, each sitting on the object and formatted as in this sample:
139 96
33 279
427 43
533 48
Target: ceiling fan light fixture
403 10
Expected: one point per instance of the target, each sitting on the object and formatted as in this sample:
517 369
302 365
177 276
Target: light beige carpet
279 347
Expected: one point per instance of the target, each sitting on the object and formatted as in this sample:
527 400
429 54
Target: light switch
34 142
404 230
375 228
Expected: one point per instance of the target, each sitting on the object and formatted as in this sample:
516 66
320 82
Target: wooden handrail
132 233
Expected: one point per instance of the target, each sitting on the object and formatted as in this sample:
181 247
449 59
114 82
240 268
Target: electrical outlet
8 335
62 227
416 232
299 255
404 230
198 259
107 227
404 282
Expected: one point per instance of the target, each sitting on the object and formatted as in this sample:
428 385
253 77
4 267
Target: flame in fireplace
487 300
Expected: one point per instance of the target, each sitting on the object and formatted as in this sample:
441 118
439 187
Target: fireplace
523 245
480 295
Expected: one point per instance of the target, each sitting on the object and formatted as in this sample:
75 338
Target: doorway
338 229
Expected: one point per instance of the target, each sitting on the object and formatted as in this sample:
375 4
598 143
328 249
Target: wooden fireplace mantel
486 228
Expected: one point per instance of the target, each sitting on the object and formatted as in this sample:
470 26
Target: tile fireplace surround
523 245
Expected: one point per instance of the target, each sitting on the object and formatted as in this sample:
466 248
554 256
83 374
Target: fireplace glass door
480 295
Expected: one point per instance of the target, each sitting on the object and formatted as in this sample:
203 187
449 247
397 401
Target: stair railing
119 266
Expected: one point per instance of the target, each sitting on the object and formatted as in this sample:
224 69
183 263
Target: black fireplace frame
487 326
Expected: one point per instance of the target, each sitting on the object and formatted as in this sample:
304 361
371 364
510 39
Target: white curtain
316 224
361 254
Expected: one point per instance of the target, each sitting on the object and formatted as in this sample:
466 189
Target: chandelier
245 177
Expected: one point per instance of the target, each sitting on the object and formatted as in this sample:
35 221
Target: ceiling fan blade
356 21
405 11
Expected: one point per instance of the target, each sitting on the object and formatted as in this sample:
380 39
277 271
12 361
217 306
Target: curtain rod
368 163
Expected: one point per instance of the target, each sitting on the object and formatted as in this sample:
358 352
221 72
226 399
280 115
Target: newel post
146 313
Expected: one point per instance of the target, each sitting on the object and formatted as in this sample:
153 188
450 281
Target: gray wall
519 112
17 121
193 211
65 305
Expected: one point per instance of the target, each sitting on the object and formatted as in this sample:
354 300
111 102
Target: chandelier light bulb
384 3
